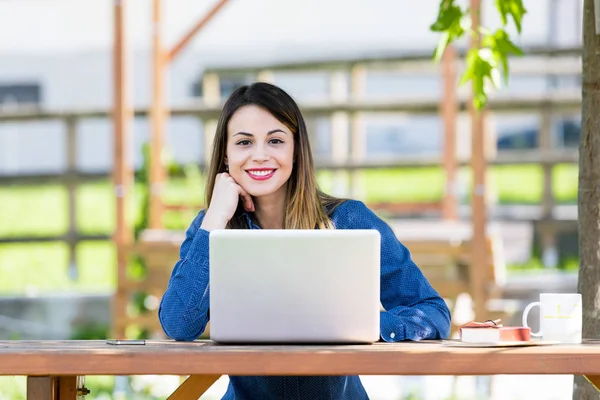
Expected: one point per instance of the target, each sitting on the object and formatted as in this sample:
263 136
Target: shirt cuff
390 330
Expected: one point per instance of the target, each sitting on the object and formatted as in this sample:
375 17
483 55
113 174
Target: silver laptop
294 286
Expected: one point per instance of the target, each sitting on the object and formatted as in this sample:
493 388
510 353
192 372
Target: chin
260 192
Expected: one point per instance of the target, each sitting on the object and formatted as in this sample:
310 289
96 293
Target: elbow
179 335
445 321
438 320
176 326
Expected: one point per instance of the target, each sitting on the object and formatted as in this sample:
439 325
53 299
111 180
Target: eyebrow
268 133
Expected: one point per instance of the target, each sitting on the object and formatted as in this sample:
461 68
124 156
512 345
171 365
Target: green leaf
490 62
450 23
441 47
471 62
512 8
502 10
479 100
504 62
505 45
447 13
502 48
481 66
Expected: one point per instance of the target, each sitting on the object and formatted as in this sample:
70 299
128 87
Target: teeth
261 173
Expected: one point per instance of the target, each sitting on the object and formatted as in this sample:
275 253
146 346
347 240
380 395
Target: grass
43 267
511 184
42 210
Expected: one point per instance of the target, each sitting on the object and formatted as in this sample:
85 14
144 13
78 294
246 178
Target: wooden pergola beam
478 197
158 117
123 171
159 114
195 29
449 111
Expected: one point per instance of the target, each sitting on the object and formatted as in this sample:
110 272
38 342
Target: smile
260 174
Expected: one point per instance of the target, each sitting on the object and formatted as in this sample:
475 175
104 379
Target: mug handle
526 313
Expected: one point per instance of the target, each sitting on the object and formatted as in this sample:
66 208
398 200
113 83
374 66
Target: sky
37 26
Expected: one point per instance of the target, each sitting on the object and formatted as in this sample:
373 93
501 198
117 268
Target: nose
260 154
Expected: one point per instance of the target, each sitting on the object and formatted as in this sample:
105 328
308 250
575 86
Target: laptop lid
294 286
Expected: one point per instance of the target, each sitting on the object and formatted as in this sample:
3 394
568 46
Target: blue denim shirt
414 310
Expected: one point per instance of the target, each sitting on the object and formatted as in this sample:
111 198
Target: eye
244 142
275 141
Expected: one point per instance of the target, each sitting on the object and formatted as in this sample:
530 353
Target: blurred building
56 54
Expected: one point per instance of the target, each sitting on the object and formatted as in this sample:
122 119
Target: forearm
183 312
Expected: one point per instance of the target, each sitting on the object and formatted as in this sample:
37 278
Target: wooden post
122 172
548 234
339 131
449 110
158 116
211 90
67 388
265 76
479 259
358 139
41 387
545 148
71 189
53 388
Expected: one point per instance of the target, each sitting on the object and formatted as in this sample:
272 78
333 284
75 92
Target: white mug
560 317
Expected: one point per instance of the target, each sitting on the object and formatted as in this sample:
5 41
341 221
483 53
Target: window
227 85
20 94
568 130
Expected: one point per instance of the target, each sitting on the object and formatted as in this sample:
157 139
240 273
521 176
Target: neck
270 210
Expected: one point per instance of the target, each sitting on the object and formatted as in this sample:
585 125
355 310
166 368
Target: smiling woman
262 155
261 161
262 176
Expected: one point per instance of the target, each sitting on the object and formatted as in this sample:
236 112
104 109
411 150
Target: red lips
261 174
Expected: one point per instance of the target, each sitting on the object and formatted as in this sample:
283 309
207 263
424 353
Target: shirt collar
248 216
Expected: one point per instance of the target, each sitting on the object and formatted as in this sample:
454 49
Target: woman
262 177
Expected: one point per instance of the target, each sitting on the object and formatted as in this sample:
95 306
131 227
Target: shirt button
392 335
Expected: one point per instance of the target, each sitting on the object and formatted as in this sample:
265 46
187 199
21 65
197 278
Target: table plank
208 358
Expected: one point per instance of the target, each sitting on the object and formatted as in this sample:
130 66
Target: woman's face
260 151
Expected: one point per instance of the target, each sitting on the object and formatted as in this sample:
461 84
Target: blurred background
388 126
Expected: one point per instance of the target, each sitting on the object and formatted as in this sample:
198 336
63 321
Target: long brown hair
307 207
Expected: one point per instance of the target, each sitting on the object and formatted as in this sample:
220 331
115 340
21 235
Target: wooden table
52 366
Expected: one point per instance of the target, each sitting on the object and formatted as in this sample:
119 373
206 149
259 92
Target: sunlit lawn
42 210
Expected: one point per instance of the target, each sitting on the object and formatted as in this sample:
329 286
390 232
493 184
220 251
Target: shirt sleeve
184 308
413 309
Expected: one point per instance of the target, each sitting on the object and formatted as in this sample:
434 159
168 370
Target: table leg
594 380
193 387
51 388
67 387
41 387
